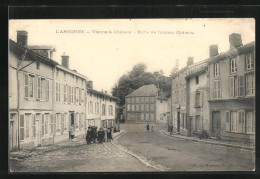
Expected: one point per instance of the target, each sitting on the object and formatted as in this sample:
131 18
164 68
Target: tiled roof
146 90
40 47
93 91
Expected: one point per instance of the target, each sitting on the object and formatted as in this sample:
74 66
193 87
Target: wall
161 111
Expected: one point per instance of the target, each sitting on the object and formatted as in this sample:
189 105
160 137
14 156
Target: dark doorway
71 118
178 122
215 123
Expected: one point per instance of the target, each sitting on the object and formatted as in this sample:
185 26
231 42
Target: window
151 116
146 107
250 84
65 93
234 122
141 99
241 121
57 73
62 123
197 79
46 123
51 124
31 86
217 89
80 96
250 61
146 116
38 65
142 116
137 107
233 65
142 107
151 107
216 69
250 122
34 126
128 107
65 121
97 108
25 85
58 90
77 95
146 99
241 86
110 110
43 125
199 97
91 107
80 121
22 127
69 93
151 99
233 87
72 93
58 121
132 107
103 109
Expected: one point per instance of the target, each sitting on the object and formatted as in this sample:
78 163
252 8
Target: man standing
147 127
171 128
72 132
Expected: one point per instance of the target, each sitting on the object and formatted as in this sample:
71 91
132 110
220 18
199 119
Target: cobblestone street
76 156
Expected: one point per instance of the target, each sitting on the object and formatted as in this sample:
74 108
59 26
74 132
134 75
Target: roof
92 91
196 68
40 47
19 51
234 52
74 72
146 90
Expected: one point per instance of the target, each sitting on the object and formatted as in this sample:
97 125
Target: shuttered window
241 86
26 85
34 126
22 127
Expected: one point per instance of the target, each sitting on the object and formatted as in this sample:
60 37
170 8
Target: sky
105 57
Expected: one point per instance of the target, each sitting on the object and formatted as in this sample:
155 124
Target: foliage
136 78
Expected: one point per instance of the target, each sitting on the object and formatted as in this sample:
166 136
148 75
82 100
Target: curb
142 159
209 142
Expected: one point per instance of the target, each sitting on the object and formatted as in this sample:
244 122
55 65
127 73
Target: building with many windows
100 107
232 92
145 104
45 98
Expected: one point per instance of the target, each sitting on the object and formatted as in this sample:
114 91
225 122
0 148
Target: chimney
22 38
235 41
65 60
213 50
90 84
190 61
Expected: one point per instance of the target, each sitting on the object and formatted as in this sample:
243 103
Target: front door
13 142
215 123
178 122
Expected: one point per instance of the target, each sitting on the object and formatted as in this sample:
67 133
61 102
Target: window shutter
227 120
194 97
201 99
22 127
38 88
26 85
241 86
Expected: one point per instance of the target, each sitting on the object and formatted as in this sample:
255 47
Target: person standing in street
147 127
72 132
171 128
105 137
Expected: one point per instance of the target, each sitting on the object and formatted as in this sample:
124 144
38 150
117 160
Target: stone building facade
232 92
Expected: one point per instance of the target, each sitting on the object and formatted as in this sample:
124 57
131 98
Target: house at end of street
147 104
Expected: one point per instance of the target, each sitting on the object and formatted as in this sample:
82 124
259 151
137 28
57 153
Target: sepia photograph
131 95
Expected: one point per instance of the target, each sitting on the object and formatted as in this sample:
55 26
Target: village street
152 151
184 155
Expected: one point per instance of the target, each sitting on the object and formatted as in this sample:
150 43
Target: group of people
102 135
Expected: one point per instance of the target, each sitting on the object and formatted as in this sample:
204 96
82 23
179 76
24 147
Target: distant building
232 92
145 105
100 108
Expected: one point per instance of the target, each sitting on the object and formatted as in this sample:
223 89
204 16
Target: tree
136 78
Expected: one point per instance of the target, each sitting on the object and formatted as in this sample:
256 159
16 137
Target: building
179 98
69 101
30 94
146 104
45 98
100 107
232 92
197 99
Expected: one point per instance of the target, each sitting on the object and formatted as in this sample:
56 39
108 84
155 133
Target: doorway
13 142
215 123
178 122
72 118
